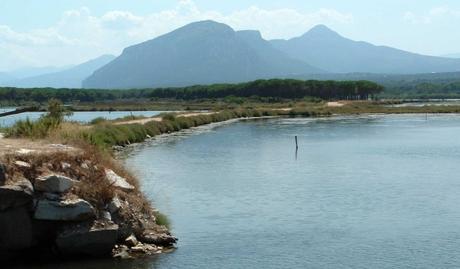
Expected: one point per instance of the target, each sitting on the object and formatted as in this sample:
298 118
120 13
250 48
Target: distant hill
199 53
69 78
4 77
326 49
36 71
452 55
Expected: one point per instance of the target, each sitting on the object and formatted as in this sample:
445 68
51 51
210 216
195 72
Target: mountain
36 71
199 53
326 49
4 77
69 78
452 55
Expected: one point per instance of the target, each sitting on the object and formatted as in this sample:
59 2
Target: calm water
364 192
83 117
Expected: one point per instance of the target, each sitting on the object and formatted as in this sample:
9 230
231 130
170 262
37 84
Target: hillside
199 53
326 49
69 78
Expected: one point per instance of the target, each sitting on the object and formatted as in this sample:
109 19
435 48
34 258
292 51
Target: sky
37 33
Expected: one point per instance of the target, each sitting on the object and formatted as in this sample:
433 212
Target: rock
145 249
118 148
52 196
117 181
16 195
66 210
22 164
114 205
85 166
121 252
16 229
131 241
162 239
91 239
2 174
53 183
105 215
25 151
65 165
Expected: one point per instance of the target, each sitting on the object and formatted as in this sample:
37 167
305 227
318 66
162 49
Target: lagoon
375 191
82 117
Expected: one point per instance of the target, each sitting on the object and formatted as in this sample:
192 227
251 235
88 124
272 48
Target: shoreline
131 134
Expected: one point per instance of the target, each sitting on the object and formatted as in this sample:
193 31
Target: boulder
131 241
16 195
53 183
94 239
66 210
118 181
114 205
121 252
158 239
16 229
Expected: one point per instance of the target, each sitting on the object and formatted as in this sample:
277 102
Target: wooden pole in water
296 144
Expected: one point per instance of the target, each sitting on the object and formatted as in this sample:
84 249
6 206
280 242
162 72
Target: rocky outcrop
94 238
53 183
65 210
18 194
74 206
159 239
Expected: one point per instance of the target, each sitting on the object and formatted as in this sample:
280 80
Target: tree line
423 90
278 88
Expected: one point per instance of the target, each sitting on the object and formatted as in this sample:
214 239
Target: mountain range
199 53
209 52
71 77
326 49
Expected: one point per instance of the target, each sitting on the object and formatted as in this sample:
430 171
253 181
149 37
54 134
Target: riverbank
81 158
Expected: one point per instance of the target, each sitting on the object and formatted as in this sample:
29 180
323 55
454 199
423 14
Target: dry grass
86 166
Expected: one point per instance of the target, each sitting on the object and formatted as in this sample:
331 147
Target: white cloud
79 35
435 14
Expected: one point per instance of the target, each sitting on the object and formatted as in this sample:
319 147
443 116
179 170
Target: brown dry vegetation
86 166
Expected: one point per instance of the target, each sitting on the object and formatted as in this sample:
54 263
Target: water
364 192
83 117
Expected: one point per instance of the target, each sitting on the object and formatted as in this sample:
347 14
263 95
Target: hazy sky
62 32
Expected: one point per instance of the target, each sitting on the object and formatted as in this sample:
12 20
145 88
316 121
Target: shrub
98 120
162 219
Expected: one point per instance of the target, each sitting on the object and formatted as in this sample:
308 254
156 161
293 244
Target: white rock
25 151
65 165
22 164
53 183
67 210
117 181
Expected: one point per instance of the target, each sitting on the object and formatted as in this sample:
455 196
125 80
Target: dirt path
146 120
335 104
26 146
